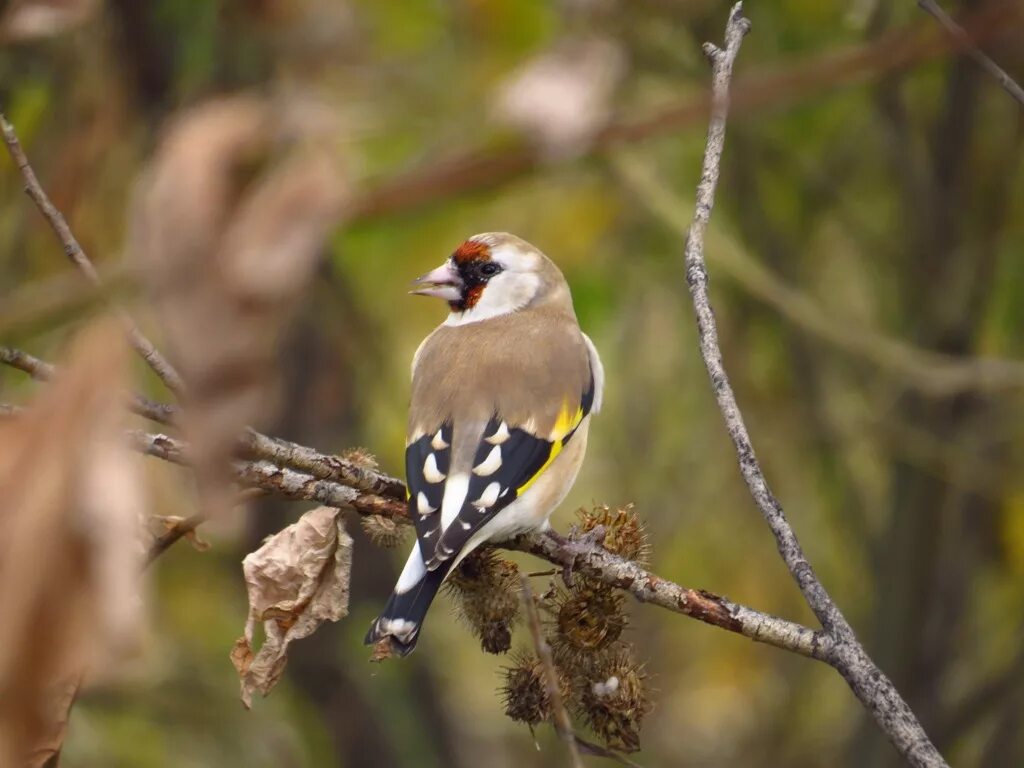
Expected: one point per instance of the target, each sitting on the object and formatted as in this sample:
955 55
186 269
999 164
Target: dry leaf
32 19
71 501
297 580
563 98
228 228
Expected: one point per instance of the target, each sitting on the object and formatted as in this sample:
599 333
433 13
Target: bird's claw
576 543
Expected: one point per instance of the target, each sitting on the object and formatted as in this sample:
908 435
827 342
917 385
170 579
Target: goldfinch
502 394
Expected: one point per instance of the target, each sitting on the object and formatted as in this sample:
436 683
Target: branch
594 561
559 714
586 558
74 252
960 35
252 443
40 370
846 655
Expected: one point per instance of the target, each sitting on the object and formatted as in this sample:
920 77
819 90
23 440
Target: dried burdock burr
589 617
612 699
625 534
360 457
485 590
384 531
524 692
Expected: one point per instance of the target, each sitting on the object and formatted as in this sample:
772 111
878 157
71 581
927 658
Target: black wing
425 477
507 462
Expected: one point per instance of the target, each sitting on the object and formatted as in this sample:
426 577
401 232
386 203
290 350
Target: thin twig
585 558
160 365
23 361
594 561
252 444
847 655
960 35
559 713
40 370
166 540
322 466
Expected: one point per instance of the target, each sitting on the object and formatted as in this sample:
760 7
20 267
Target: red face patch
472 250
472 296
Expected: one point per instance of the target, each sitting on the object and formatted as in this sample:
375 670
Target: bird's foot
575 544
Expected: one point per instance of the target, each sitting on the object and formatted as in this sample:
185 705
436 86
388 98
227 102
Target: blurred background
867 263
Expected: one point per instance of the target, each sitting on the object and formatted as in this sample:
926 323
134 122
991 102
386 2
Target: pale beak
443 282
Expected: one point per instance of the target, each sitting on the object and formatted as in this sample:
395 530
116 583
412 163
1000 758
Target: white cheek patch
505 293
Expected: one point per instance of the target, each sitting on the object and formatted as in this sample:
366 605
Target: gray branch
845 653
584 557
962 38
160 365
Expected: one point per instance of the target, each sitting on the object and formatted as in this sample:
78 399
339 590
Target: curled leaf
297 580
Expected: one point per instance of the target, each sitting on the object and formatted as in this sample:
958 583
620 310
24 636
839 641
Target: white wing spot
430 533
500 435
488 497
491 464
465 526
438 443
423 506
430 471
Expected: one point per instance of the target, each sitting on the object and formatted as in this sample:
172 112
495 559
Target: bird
501 400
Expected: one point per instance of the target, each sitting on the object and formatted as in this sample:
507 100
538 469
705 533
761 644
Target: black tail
402 617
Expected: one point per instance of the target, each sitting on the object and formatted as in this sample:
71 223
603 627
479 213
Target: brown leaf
297 580
32 19
228 226
71 553
562 98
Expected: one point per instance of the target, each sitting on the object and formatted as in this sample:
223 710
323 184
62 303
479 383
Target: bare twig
281 481
166 540
594 561
33 366
847 655
961 36
252 443
40 370
74 252
322 466
560 715
586 558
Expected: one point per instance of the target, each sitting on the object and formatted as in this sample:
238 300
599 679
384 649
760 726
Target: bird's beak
443 282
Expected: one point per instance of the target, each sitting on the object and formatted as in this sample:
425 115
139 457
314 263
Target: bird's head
493 274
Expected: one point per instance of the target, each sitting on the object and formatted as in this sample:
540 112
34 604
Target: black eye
489 269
